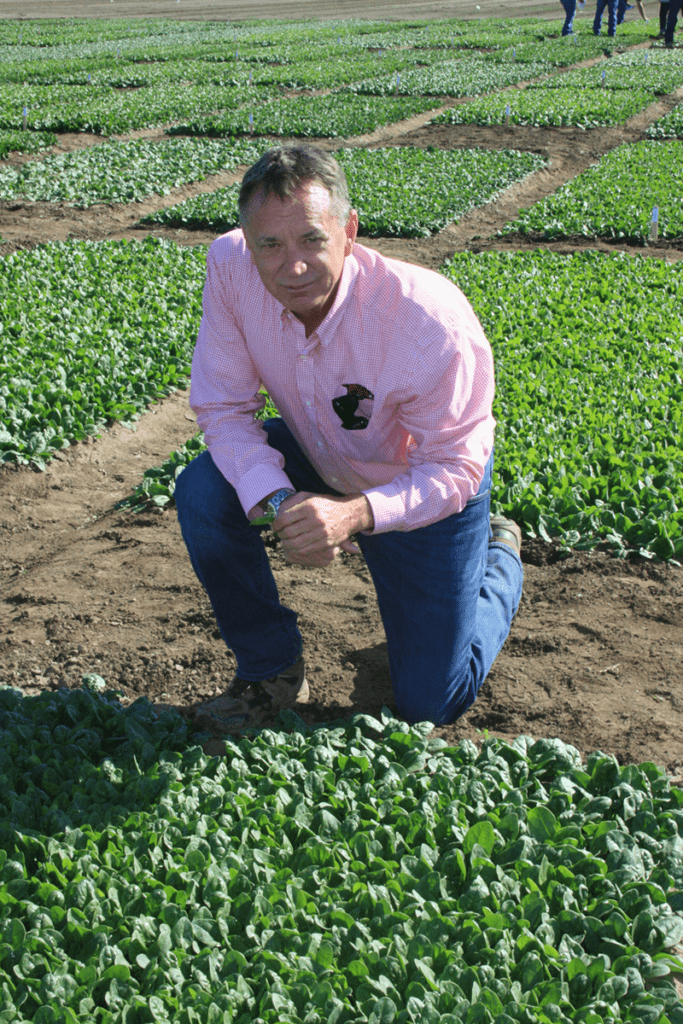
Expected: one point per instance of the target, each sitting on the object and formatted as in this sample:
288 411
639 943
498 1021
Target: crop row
466 77
615 198
551 107
124 171
336 116
366 873
91 333
171 39
105 111
24 142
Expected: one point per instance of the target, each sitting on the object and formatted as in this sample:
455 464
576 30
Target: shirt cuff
259 481
388 509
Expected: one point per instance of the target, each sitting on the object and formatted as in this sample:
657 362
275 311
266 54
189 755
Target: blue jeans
671 19
611 6
570 11
446 595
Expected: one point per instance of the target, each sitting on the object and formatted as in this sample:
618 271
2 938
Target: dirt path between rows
594 654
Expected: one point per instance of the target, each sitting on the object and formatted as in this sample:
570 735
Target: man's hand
314 528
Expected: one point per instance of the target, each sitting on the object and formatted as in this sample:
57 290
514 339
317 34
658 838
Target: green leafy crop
91 332
615 197
465 77
358 873
25 142
335 116
668 127
589 368
551 107
124 171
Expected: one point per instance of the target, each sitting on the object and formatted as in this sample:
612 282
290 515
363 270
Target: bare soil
595 651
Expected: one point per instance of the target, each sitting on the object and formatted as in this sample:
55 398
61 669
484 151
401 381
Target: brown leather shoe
506 531
247 705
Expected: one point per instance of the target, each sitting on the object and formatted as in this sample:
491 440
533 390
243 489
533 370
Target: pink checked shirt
402 342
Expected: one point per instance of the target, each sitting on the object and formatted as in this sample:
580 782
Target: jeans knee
442 707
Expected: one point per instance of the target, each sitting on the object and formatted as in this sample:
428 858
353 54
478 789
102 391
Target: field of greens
668 127
91 333
402 192
335 116
615 198
551 107
24 142
361 873
122 172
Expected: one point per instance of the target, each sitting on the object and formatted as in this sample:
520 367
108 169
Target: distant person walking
672 18
570 11
611 6
663 13
623 7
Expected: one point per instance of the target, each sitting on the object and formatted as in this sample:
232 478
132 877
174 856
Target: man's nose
296 263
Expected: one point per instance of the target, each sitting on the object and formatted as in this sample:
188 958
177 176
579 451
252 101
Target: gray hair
285 169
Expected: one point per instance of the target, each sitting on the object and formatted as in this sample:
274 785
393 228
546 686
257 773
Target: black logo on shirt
345 407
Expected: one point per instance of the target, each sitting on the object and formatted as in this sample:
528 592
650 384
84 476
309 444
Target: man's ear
351 231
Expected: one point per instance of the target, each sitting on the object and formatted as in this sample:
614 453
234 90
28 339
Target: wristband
272 506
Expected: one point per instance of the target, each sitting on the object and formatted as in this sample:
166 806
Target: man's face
299 248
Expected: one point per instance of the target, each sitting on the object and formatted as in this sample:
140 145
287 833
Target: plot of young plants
121 172
551 107
654 75
91 332
465 77
104 111
336 116
615 198
24 142
360 873
403 191
668 127
589 354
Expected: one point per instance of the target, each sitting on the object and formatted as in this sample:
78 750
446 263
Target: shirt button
308 403
320 444
304 357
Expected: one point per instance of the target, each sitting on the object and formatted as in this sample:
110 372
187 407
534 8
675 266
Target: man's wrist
366 518
267 508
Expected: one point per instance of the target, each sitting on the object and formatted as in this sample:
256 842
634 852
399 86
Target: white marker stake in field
25 118
654 224
507 114
251 123
603 79
398 82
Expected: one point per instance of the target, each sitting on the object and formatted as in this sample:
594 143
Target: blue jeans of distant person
446 595
611 6
570 11
622 8
671 19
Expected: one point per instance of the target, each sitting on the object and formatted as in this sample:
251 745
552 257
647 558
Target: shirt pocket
353 406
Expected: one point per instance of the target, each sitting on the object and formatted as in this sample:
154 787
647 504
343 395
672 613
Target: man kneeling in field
384 381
